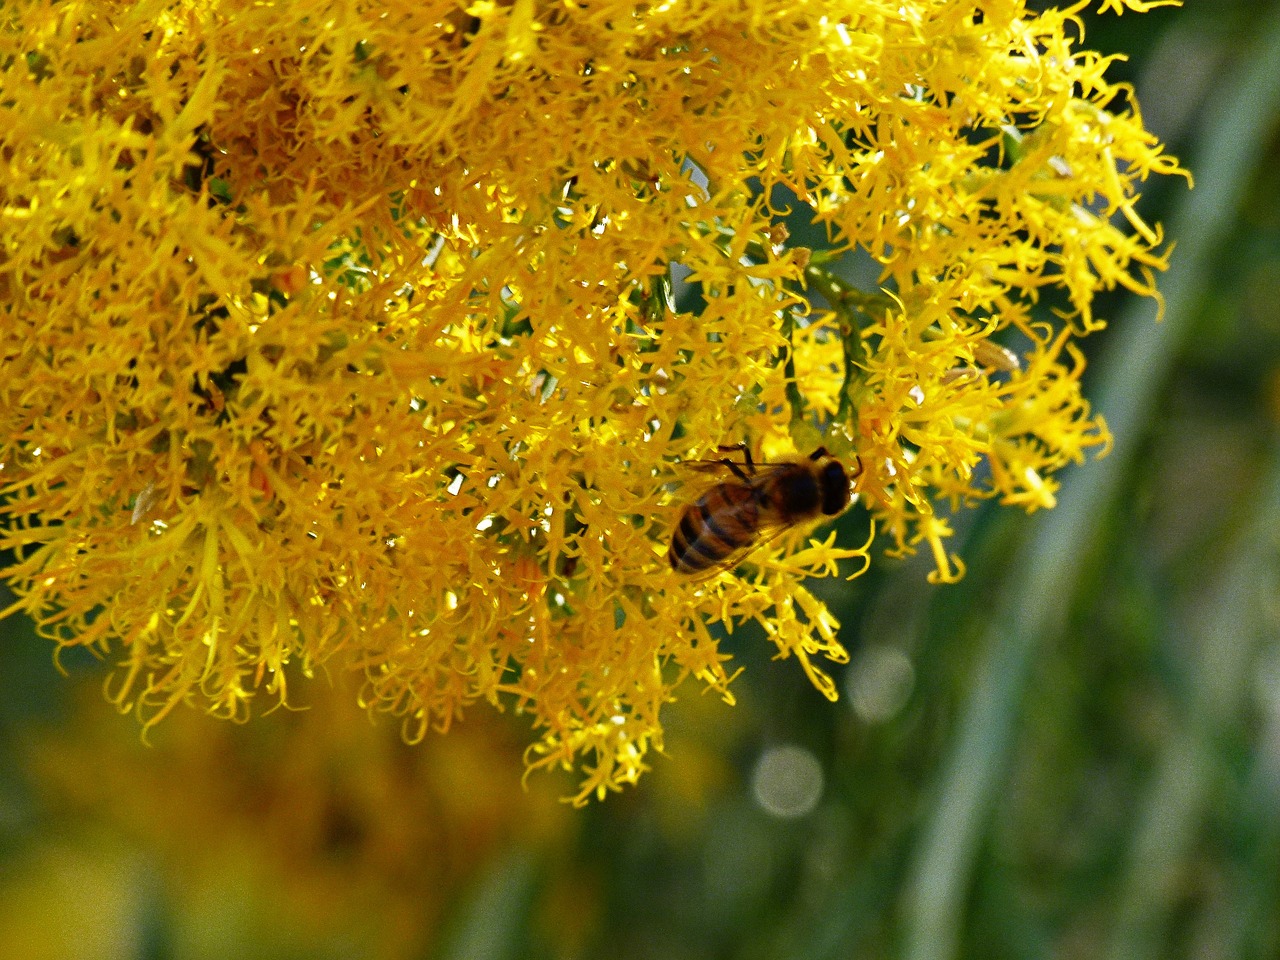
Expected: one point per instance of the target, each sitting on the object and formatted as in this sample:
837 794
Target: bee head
836 489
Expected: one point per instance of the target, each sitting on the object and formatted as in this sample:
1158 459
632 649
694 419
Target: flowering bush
346 335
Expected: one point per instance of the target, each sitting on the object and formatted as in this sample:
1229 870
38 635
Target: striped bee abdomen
723 521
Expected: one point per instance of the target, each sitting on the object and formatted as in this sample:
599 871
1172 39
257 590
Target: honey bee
730 518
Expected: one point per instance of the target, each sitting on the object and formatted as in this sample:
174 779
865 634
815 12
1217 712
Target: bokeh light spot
787 781
878 683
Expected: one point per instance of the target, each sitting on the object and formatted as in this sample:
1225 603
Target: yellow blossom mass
379 337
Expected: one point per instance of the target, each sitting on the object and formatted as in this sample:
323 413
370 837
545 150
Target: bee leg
820 453
746 455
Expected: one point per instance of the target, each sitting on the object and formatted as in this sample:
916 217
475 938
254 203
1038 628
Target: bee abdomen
721 523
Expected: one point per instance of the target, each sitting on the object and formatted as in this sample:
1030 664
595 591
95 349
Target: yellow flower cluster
375 336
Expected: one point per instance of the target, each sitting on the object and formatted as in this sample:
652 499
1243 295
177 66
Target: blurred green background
1073 753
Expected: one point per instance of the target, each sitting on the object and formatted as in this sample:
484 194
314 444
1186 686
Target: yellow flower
375 339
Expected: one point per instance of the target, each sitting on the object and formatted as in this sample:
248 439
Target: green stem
794 398
854 308
846 299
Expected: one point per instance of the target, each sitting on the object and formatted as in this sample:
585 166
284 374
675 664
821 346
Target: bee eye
835 488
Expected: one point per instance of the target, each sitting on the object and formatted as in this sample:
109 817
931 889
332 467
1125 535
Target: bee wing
732 465
709 466
695 473
722 463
